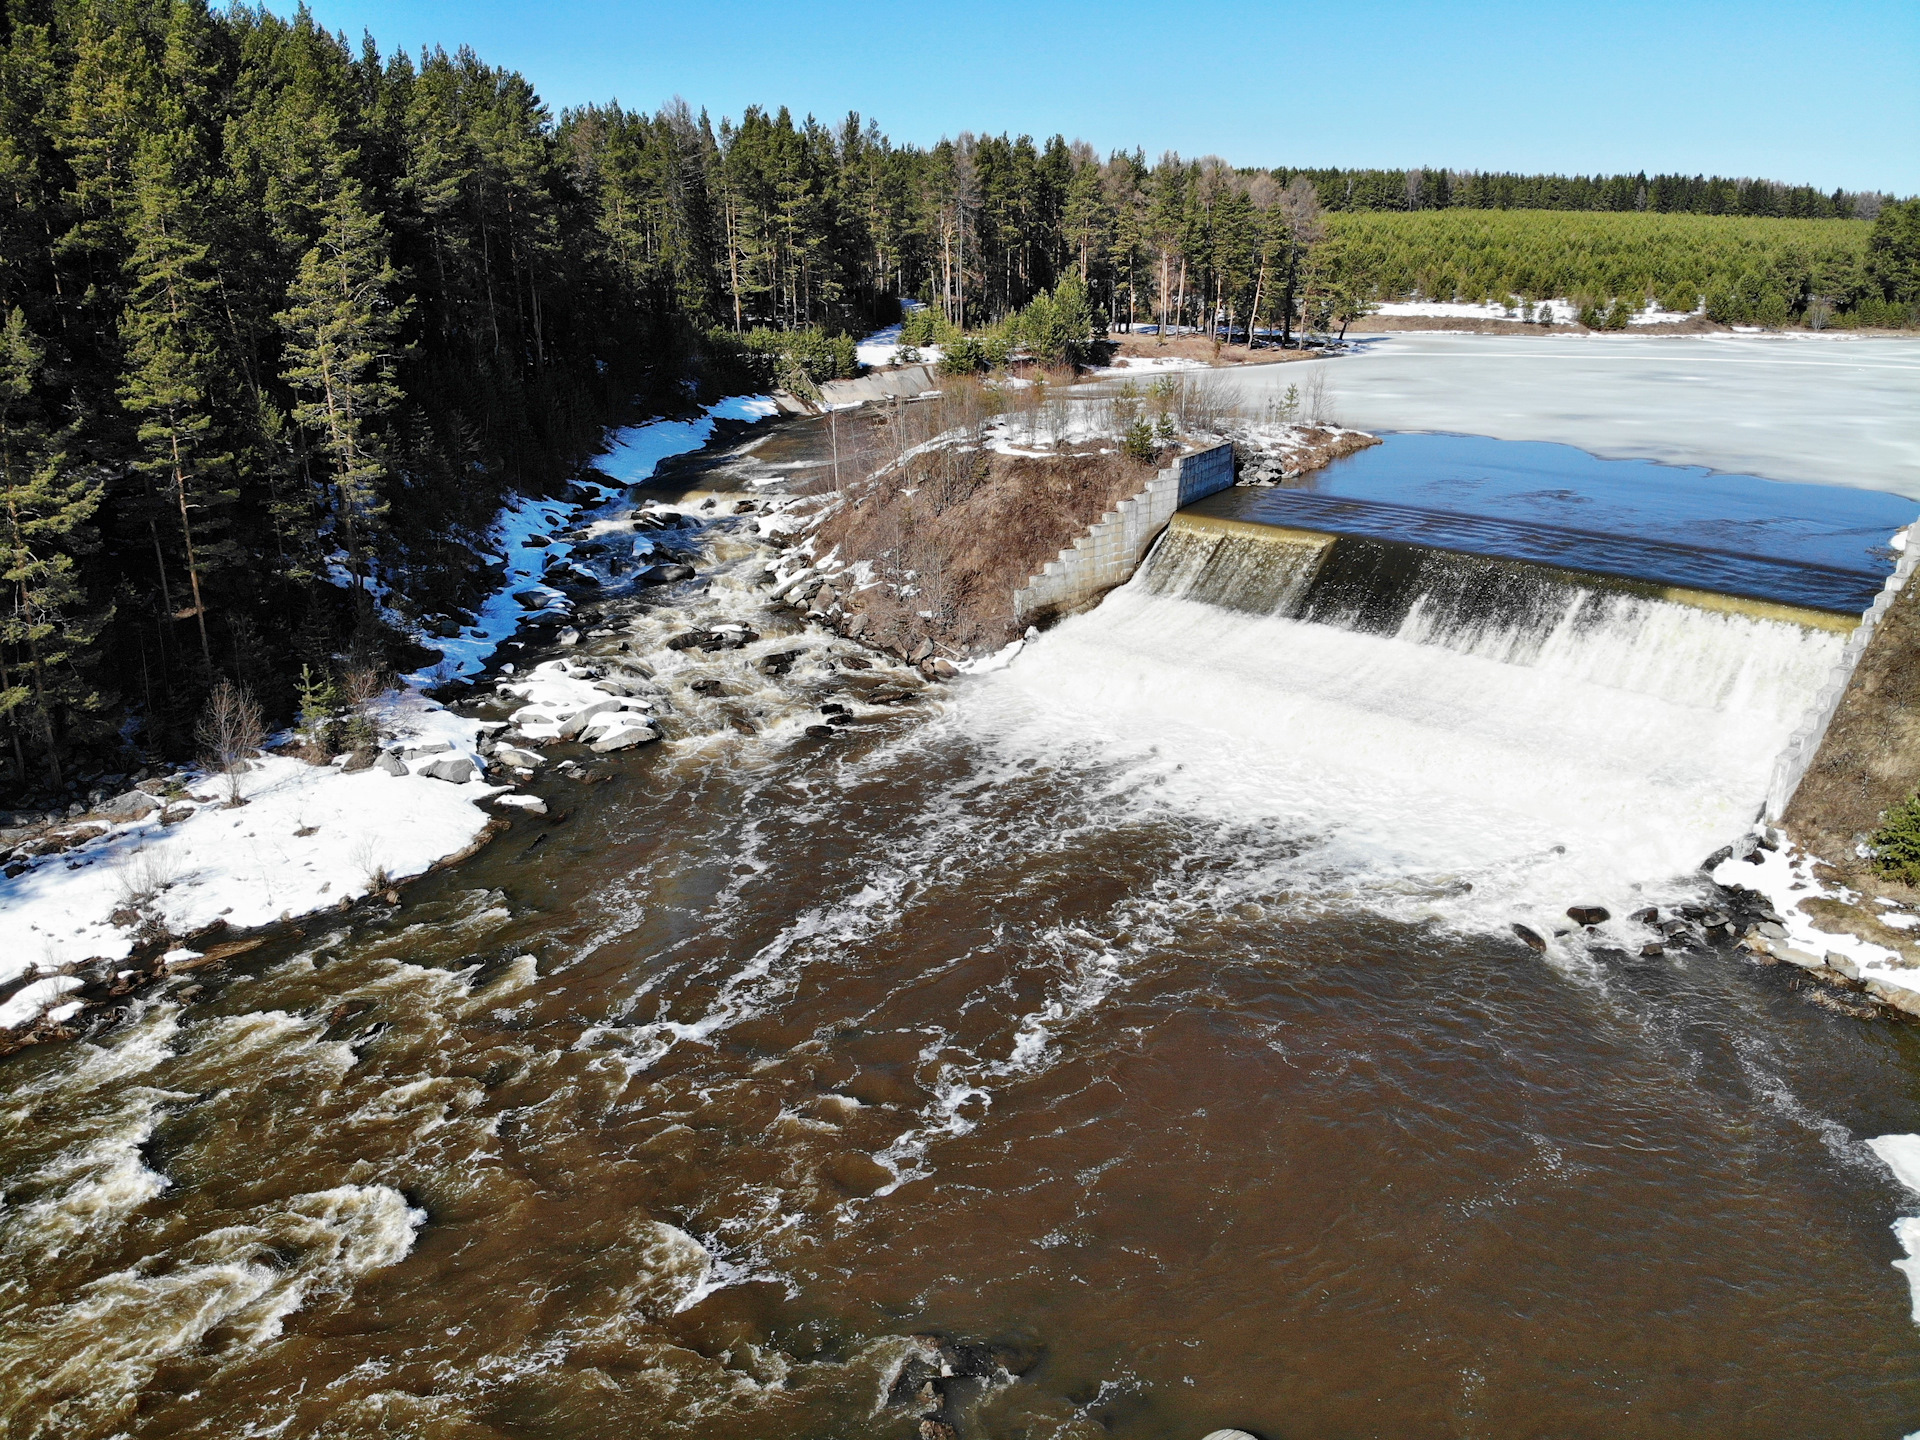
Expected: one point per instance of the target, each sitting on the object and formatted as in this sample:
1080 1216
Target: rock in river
1589 914
455 770
624 736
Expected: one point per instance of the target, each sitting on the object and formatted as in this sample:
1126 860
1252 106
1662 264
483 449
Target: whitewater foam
1591 754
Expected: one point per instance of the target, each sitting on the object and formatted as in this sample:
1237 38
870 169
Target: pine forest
283 320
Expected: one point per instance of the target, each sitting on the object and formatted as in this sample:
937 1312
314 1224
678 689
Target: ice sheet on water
1830 409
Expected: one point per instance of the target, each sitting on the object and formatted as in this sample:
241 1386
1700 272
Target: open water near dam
1146 1012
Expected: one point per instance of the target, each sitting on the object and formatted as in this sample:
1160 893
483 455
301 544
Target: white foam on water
78 1365
1603 766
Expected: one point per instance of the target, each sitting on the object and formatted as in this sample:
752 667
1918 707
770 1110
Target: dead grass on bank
1870 758
1198 347
949 528
952 533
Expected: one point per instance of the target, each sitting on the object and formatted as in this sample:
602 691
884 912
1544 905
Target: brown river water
1120 1011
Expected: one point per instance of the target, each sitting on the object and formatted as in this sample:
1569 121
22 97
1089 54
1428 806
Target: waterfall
1419 715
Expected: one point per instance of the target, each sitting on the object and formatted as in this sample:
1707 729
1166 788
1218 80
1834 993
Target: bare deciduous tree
230 730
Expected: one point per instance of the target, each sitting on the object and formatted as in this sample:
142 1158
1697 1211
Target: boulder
455 770
1898 996
1795 956
919 652
576 722
687 640
1844 964
1645 915
518 758
391 763
1589 914
624 736
820 732
174 814
134 805
532 804
664 575
1530 937
432 747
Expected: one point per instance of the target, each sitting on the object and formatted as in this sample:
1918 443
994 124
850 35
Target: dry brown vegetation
1199 347
954 531
1871 756
951 528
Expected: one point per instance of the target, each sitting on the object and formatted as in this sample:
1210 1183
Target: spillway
1476 737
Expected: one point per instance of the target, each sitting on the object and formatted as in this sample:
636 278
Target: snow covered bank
520 538
1562 312
1810 938
308 837
883 348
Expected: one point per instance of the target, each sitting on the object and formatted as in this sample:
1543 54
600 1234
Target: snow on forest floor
883 348
307 837
1563 312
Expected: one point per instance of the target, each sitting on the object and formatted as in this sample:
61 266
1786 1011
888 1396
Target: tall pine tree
47 629
341 333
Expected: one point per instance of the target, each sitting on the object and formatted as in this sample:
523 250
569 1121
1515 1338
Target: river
1142 1015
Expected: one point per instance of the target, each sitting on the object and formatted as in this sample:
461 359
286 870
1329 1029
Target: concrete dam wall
1108 554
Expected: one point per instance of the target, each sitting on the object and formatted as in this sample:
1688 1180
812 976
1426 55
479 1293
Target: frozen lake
1824 408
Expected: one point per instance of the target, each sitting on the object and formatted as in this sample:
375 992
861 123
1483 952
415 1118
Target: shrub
975 354
1896 844
795 360
1140 442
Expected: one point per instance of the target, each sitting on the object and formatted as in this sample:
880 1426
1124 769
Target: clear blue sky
1822 93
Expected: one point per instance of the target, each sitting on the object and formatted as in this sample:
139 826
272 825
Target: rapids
1145 1010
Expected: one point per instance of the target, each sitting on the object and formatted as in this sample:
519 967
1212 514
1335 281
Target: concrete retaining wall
1792 765
1108 554
909 382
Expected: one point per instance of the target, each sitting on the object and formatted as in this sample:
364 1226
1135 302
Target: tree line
280 323
1742 270
284 319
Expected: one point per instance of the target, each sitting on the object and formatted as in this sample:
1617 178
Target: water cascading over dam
1489 733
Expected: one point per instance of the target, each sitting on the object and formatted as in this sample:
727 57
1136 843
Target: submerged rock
1531 937
664 574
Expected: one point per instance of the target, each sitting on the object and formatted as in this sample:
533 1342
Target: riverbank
152 883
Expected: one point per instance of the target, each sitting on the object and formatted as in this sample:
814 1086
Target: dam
1144 1014
1494 677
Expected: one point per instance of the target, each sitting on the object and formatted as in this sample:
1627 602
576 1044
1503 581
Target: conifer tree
46 630
341 330
173 355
